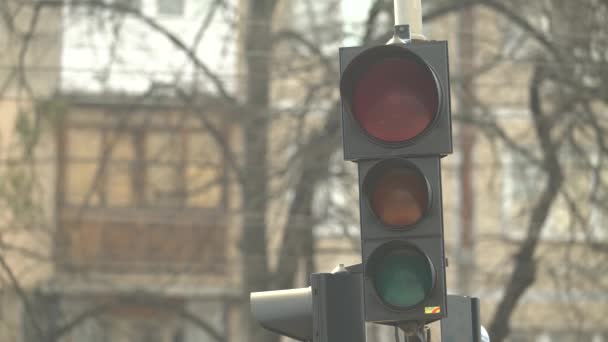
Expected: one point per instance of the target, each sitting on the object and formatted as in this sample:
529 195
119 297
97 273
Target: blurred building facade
491 189
139 223
133 241
143 219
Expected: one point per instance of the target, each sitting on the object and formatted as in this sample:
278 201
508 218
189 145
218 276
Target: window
140 191
523 183
138 167
139 323
132 4
555 336
171 7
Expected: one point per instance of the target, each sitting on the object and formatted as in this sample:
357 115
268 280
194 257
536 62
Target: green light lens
402 277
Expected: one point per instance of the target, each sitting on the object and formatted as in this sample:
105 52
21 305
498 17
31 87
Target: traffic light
396 125
331 309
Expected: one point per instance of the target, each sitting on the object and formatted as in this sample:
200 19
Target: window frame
550 231
139 191
166 14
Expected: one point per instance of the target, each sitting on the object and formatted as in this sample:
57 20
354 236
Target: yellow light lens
398 195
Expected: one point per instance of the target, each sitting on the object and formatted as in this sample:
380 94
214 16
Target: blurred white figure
484 335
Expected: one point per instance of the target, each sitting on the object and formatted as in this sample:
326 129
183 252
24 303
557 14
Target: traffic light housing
331 309
285 312
390 78
396 124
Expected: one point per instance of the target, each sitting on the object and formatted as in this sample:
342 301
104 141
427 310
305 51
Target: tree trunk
466 139
524 272
298 240
255 193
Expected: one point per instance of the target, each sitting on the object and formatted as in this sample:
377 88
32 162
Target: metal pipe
409 12
286 312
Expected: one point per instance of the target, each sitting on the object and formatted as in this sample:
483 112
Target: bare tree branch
524 273
154 25
24 299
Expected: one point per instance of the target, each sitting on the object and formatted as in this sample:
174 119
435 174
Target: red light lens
395 99
398 195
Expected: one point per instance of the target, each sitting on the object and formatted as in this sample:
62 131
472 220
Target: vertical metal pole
409 12
463 323
465 255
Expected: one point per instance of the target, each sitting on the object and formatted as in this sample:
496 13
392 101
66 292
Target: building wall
113 244
122 51
504 192
544 308
28 74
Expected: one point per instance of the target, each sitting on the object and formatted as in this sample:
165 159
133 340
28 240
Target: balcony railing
141 240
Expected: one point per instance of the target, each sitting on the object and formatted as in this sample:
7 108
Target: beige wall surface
555 301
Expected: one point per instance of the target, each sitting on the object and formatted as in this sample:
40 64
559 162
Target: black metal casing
463 323
436 140
421 153
432 222
426 235
337 307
